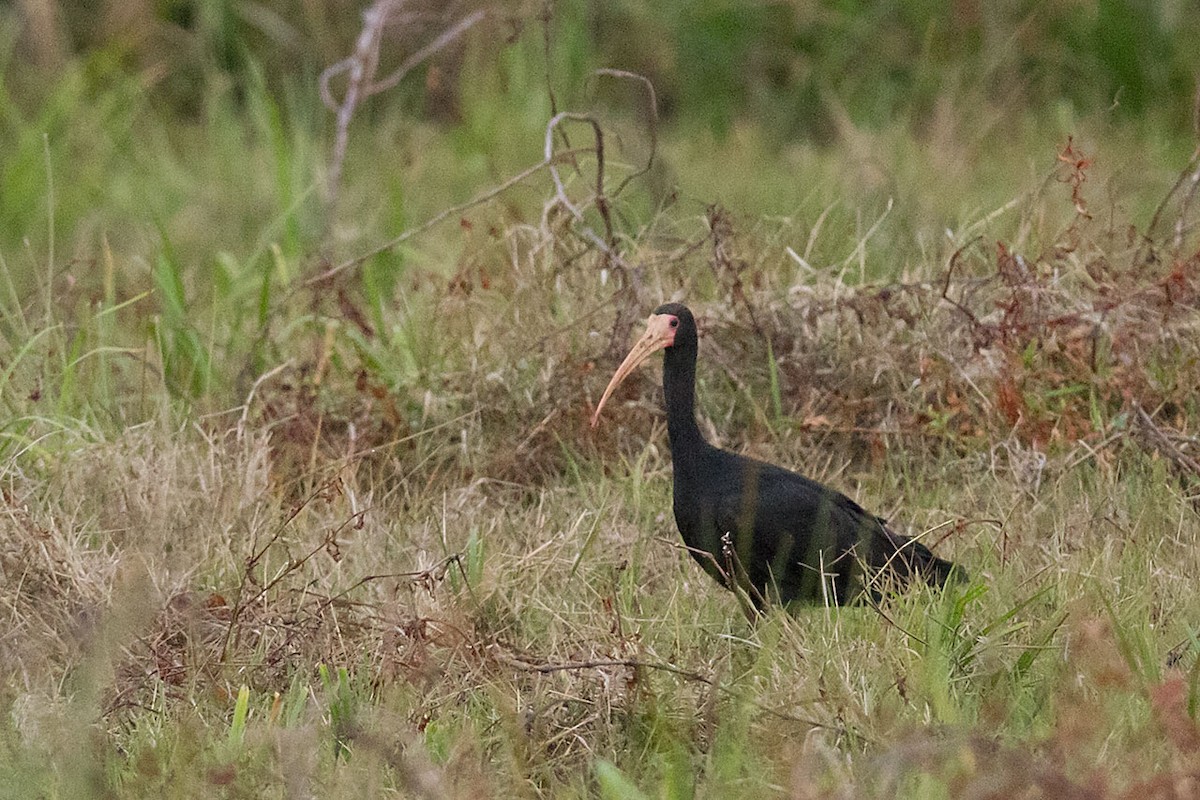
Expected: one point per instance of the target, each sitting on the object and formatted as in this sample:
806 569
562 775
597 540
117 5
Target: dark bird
776 535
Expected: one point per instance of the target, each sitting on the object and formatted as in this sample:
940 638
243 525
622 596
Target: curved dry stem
361 67
361 83
412 62
652 99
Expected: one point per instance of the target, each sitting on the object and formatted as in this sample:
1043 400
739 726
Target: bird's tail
907 558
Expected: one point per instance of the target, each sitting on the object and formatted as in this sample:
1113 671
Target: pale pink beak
660 333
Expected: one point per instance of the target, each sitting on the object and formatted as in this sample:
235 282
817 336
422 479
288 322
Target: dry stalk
691 675
253 560
607 243
968 313
630 278
1189 176
1151 434
360 68
652 108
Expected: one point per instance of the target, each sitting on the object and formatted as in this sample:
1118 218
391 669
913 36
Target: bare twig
327 542
414 61
361 82
252 561
545 18
970 315
652 103
630 278
430 574
360 68
606 245
633 663
258 382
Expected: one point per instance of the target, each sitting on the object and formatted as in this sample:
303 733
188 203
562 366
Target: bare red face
660 334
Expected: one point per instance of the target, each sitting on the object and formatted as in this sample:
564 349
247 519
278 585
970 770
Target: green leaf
614 785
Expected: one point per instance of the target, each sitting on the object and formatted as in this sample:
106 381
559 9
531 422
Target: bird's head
671 325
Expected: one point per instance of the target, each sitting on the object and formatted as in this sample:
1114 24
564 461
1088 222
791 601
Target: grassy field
300 500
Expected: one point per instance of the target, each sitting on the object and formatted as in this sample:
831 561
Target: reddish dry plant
1049 349
1077 165
1053 348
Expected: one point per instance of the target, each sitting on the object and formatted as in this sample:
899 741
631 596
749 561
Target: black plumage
781 536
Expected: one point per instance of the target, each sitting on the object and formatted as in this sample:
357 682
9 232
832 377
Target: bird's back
786 537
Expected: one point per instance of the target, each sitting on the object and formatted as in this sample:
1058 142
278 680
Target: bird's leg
754 613
752 602
733 571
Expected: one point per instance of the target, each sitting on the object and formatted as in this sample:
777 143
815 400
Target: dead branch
970 315
361 82
633 663
652 104
630 278
361 68
545 17
607 244
415 60
1162 443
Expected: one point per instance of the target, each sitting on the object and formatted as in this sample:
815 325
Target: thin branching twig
691 675
652 107
415 60
361 84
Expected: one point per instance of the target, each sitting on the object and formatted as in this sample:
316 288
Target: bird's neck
679 388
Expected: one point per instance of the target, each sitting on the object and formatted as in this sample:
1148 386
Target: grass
478 680
260 537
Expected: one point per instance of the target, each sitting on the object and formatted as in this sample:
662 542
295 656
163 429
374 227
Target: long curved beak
659 334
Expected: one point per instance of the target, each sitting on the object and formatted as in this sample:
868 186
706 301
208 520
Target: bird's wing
790 492
794 518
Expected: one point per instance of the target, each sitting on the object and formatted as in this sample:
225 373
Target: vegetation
299 497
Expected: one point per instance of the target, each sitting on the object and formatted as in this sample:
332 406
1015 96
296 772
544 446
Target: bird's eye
674 323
